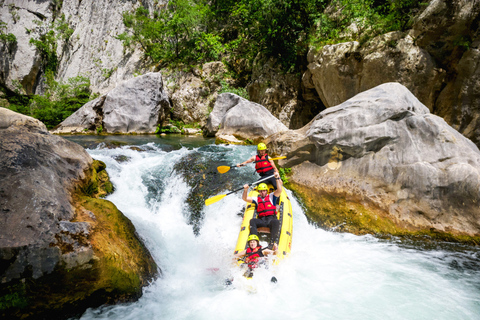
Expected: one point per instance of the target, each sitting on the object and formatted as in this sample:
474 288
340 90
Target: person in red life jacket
266 208
263 164
254 253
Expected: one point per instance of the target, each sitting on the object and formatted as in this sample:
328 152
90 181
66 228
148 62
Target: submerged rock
386 158
62 249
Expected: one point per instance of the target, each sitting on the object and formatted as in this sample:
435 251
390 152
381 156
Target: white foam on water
327 275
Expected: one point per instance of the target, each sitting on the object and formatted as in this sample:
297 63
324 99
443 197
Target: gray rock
224 102
192 94
37 173
383 147
86 119
340 71
67 254
137 105
448 30
241 118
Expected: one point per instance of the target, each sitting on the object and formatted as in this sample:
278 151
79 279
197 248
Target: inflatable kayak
285 217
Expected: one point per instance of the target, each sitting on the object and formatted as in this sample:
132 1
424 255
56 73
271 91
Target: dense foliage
59 101
195 31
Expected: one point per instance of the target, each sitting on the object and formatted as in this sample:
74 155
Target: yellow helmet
262 146
262 186
253 237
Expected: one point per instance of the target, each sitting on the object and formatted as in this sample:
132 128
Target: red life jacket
265 207
252 256
262 165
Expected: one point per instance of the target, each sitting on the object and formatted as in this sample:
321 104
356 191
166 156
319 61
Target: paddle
211 200
223 169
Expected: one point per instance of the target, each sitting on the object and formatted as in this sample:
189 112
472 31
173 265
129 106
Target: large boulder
388 159
62 250
136 106
235 116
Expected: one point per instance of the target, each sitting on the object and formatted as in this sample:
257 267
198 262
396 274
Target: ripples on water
328 275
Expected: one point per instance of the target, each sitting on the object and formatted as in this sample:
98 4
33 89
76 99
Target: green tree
60 99
175 34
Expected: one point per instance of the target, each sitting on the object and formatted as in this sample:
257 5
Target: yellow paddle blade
211 200
223 169
278 158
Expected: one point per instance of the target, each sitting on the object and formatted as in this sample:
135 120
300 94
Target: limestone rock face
340 71
449 31
241 118
56 248
137 105
385 150
92 50
193 94
283 94
21 62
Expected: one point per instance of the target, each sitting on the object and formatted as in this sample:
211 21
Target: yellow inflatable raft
284 214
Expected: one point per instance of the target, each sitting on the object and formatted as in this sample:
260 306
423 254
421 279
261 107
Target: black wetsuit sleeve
275 200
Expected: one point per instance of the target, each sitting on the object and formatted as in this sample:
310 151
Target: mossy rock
98 182
116 271
337 213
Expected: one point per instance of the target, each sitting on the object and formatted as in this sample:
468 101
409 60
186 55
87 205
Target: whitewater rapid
328 275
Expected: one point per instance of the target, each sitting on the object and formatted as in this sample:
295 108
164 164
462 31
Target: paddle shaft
252 184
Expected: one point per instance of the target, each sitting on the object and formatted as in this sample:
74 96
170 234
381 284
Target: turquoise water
328 275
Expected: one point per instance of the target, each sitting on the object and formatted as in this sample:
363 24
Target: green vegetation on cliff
59 101
196 31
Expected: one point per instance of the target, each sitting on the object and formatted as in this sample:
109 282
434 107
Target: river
328 275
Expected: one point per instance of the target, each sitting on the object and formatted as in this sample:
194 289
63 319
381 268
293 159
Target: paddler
266 208
254 253
263 164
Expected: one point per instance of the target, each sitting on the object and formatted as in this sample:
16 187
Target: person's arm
273 164
268 251
246 161
278 192
245 196
240 254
